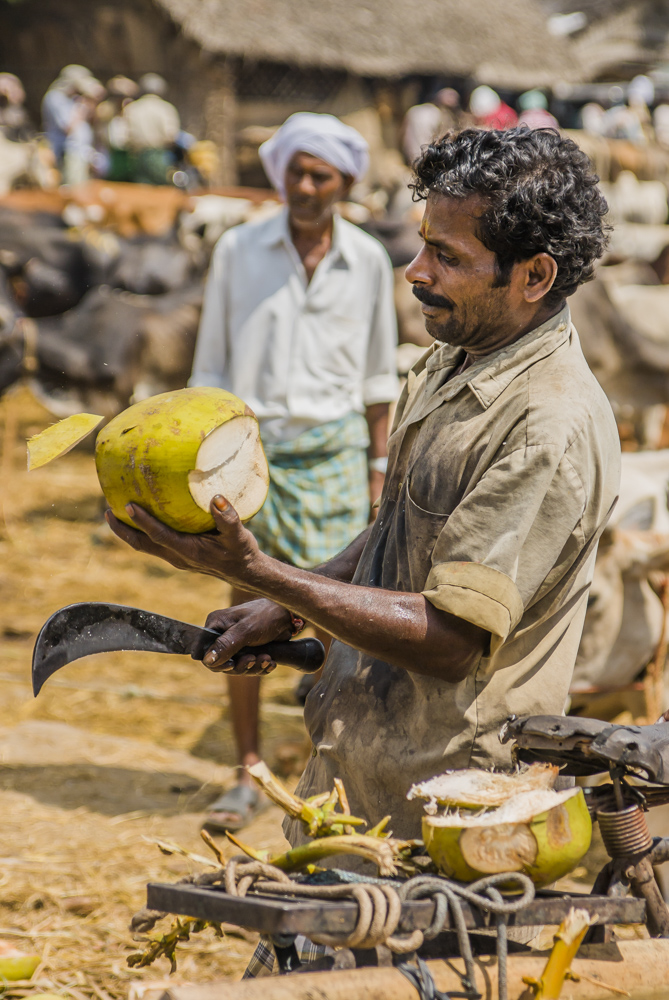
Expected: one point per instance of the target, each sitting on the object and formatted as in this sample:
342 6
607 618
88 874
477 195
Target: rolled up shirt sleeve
515 533
380 383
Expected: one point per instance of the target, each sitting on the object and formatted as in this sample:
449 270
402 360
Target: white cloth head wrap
321 135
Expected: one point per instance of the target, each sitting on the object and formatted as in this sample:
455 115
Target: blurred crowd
638 119
633 113
124 131
128 130
486 109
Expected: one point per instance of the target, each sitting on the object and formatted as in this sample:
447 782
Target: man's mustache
428 299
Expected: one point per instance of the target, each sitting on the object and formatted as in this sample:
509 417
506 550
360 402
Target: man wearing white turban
299 322
323 136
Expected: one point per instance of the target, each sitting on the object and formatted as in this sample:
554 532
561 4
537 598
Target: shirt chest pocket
417 531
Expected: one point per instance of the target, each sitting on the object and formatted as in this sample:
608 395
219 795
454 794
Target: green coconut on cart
481 823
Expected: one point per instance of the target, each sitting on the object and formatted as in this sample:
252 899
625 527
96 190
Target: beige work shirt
500 480
151 123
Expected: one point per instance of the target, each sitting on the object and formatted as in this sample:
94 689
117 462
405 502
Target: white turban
323 136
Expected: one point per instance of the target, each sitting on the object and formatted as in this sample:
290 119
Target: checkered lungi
263 960
318 499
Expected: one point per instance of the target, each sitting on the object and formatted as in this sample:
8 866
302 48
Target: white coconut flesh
473 789
231 462
522 808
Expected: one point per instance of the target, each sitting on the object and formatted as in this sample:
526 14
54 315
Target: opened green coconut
173 453
542 833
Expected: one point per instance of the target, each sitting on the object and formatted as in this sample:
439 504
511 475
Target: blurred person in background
14 123
640 99
112 128
299 321
534 113
592 118
81 157
620 121
152 129
424 122
489 110
58 108
661 124
67 112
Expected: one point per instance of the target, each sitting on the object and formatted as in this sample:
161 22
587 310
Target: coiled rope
380 906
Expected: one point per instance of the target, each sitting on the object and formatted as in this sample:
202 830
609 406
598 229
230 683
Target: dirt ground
118 750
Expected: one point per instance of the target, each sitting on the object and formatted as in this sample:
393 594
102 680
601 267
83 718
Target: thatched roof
495 41
623 37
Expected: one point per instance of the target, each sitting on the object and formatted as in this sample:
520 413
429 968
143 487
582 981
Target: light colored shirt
423 123
500 480
57 112
151 122
299 354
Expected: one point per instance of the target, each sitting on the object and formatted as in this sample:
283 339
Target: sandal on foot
235 809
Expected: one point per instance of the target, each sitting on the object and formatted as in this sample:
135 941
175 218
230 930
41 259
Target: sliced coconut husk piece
16 964
60 438
471 788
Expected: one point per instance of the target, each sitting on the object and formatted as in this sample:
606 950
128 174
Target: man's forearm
377 423
400 628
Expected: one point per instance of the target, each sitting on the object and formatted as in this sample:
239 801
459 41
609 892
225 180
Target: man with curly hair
464 602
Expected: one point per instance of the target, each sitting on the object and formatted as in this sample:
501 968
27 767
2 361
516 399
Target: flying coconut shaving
60 438
475 789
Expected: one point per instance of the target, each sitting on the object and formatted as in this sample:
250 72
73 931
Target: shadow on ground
111 791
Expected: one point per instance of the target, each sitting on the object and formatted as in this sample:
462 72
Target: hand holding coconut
173 454
227 553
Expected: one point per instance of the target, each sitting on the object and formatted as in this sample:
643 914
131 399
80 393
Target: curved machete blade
82 629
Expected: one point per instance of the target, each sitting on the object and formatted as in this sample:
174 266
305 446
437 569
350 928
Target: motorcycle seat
590 746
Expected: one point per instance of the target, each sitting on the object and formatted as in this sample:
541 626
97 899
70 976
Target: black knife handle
305 655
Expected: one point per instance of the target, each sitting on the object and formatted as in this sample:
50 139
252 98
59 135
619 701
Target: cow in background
622 318
114 348
25 161
625 615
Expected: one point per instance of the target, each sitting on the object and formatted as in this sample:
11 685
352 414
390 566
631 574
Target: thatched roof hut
238 63
504 42
621 37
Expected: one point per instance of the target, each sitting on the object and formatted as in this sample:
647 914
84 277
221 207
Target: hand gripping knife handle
84 629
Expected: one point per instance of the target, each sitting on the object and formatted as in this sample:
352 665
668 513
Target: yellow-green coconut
542 833
16 964
173 453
